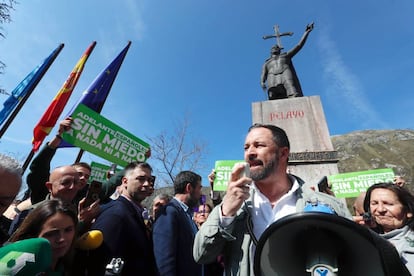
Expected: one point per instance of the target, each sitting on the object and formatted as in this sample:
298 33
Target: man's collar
182 204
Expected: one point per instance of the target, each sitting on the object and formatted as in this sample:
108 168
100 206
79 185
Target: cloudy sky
202 60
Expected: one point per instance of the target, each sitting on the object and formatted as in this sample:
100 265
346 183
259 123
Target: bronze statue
278 71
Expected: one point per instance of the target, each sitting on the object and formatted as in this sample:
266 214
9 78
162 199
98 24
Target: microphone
26 257
90 240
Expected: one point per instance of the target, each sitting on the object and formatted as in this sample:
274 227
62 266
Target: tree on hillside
173 151
5 8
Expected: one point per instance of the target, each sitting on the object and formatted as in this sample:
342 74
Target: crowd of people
183 234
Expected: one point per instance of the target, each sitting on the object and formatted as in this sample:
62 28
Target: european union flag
95 95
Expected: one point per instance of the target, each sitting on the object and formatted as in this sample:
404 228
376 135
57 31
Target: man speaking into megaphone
252 203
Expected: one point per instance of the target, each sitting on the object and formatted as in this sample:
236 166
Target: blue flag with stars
95 95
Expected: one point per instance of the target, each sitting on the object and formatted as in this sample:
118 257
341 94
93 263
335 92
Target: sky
202 60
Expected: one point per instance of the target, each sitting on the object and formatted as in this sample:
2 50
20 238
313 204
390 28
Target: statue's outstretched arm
302 41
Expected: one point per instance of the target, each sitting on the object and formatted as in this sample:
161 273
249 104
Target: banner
52 113
352 184
93 133
223 170
99 172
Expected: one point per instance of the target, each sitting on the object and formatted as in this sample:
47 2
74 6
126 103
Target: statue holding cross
278 71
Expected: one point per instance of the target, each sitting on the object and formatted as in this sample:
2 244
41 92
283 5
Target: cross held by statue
278 35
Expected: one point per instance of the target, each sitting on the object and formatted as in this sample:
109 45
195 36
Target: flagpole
56 109
27 161
80 153
27 95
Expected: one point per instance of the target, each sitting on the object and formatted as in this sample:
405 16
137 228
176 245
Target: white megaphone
320 244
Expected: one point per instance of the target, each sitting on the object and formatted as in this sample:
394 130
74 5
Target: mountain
376 149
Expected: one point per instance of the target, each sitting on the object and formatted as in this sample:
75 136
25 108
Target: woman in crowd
55 221
392 208
201 215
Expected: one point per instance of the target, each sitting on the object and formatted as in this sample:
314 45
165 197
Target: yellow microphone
90 240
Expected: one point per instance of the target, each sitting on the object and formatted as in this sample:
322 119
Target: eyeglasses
143 179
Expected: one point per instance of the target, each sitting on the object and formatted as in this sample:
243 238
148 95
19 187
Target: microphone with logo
26 257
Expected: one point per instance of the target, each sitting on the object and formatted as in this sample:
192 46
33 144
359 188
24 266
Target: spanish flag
50 117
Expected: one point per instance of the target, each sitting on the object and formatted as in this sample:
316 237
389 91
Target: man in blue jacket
126 236
174 229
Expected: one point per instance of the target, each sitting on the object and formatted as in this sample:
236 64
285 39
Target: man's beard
267 170
192 201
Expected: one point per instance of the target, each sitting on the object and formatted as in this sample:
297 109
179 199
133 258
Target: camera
367 217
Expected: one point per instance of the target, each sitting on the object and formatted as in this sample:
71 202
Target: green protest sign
99 172
353 183
92 132
223 170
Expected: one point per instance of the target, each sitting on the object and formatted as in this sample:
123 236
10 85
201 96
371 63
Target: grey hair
10 165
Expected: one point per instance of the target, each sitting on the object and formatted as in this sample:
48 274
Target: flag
49 118
28 84
95 95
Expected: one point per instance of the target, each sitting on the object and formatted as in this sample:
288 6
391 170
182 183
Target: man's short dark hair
279 135
136 164
183 178
82 165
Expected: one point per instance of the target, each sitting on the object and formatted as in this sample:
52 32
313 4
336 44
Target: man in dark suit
125 234
174 230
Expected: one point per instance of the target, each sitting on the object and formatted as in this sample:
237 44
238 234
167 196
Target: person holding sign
40 174
268 194
40 166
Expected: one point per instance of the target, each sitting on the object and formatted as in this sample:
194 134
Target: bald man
63 183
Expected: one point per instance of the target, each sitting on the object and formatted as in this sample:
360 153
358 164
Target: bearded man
252 204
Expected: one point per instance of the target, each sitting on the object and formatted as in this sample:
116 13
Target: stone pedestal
311 152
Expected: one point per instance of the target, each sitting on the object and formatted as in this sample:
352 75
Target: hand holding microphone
238 189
